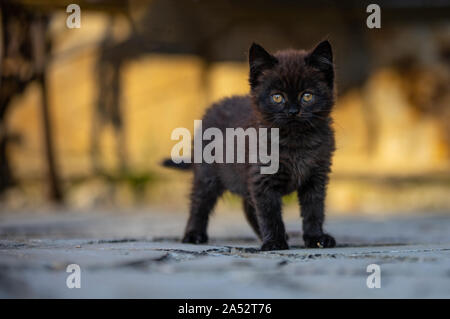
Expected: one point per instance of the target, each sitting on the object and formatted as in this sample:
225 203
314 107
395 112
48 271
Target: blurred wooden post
39 42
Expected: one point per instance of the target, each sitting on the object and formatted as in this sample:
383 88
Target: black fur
306 147
168 162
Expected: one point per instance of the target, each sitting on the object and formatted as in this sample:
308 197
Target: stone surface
139 255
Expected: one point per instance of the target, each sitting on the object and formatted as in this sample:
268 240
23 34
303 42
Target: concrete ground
138 255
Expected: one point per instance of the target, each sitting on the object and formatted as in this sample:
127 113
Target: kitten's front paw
322 241
274 245
195 237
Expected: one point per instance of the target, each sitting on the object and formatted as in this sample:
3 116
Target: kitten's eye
277 98
307 97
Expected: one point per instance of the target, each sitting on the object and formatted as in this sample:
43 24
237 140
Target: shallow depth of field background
136 70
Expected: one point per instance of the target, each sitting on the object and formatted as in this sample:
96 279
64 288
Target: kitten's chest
296 165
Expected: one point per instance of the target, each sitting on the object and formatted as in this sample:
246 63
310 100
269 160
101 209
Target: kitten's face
292 87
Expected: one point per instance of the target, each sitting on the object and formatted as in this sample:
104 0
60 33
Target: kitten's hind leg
205 192
250 214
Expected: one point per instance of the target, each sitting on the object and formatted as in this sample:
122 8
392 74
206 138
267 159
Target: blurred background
86 114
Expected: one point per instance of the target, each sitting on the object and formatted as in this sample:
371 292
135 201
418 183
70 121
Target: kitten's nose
293 111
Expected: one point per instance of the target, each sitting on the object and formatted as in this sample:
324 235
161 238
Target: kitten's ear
322 53
259 60
321 57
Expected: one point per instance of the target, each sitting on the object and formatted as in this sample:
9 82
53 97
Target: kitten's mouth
298 120
289 117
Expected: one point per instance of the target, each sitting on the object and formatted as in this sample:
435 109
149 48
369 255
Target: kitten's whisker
326 119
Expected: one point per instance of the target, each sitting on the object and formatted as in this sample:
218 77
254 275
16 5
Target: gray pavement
138 255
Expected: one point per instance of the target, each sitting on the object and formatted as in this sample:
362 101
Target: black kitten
293 91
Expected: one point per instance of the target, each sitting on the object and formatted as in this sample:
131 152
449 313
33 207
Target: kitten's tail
168 162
